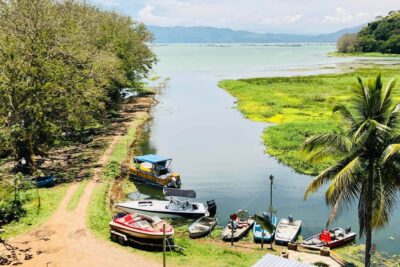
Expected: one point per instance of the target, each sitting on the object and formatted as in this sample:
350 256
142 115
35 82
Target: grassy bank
74 201
50 199
361 54
300 107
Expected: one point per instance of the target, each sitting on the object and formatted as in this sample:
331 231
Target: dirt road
64 239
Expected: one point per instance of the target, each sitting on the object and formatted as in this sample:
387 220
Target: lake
218 152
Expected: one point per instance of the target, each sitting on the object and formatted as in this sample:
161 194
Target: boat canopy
151 158
173 192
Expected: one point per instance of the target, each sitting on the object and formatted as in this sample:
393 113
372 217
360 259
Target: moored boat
204 225
238 227
258 235
287 230
155 170
333 238
141 226
171 208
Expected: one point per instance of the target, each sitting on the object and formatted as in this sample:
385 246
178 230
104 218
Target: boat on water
332 238
155 170
238 227
172 207
287 230
204 225
141 226
258 231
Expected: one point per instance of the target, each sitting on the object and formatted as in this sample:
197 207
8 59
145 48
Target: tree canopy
381 35
63 64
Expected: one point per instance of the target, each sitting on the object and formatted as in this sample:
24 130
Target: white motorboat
287 230
170 208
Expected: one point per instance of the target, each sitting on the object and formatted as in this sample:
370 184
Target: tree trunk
368 221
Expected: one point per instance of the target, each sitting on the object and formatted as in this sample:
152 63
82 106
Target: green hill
381 35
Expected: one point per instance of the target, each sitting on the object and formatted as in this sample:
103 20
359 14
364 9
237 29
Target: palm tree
369 152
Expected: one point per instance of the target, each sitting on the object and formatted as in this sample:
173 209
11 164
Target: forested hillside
62 66
381 35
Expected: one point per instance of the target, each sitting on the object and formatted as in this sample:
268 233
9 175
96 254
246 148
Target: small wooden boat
258 232
287 230
44 181
238 227
333 238
204 225
155 170
141 226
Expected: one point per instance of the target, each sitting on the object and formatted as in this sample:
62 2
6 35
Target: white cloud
343 16
279 20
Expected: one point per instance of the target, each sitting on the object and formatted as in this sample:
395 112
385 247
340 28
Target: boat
258 232
287 230
241 224
204 225
332 238
44 181
155 170
141 226
170 208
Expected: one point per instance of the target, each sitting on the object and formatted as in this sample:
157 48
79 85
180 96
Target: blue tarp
151 158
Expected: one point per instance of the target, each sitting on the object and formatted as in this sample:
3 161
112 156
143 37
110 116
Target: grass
361 54
50 199
99 215
74 201
121 149
299 107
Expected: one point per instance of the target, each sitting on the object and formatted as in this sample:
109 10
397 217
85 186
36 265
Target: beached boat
333 238
258 232
241 224
141 226
171 208
204 225
287 230
154 170
44 181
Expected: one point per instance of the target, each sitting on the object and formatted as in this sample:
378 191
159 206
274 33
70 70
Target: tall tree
62 65
368 171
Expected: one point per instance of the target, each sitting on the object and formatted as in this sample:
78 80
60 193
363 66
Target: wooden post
164 247
271 209
232 224
262 238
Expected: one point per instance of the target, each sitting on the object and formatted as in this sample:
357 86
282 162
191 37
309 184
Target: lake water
218 152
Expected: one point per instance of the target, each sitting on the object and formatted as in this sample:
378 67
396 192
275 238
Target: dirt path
64 239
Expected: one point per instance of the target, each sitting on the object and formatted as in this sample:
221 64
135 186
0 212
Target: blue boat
44 181
257 232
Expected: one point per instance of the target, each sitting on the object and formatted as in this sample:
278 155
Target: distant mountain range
224 35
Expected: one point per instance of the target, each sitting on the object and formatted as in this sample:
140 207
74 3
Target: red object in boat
142 226
325 236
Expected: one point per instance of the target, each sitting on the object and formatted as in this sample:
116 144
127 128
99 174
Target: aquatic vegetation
299 107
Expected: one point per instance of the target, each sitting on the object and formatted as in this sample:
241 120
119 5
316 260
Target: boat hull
268 237
162 213
195 233
151 179
287 231
238 233
333 244
136 233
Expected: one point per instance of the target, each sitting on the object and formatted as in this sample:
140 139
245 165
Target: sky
283 16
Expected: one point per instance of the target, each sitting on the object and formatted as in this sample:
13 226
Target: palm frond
337 142
346 114
389 152
264 223
394 117
327 175
386 93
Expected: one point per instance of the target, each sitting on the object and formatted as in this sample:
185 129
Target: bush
348 43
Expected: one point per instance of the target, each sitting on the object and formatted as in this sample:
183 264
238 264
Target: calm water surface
220 153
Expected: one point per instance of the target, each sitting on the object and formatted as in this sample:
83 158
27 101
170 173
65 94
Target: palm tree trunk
368 221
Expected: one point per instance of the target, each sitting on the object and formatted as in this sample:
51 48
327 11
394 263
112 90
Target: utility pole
164 247
271 209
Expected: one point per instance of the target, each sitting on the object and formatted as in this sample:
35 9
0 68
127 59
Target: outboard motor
212 208
290 218
266 216
348 229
